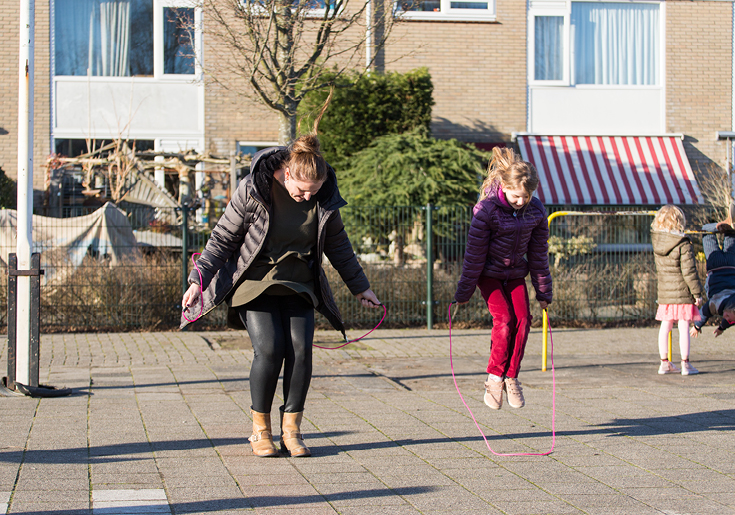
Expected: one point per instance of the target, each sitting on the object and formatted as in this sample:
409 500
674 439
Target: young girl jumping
720 283
679 289
508 238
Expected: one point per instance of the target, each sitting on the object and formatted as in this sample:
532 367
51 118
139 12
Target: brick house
503 70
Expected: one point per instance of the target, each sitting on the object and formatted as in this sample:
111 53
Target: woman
264 258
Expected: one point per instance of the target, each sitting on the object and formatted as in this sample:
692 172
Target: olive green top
283 266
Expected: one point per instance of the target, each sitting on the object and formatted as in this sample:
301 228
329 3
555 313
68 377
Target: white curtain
114 39
92 35
548 59
615 43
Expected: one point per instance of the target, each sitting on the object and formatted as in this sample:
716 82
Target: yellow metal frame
557 214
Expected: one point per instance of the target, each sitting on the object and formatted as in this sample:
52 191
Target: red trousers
508 304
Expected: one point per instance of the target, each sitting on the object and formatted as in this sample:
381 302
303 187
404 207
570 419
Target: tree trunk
286 128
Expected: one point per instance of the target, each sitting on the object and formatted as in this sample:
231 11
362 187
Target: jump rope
201 311
553 398
451 364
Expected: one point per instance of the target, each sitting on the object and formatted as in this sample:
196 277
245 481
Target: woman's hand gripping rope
194 291
553 395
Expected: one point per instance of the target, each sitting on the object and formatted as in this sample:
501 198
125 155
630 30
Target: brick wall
478 71
699 77
10 14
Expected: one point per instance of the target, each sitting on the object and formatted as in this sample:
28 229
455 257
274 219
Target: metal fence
602 267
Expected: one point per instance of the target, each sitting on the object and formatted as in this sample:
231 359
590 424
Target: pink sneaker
494 394
687 369
667 367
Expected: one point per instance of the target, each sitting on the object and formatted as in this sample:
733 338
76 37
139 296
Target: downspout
528 71
368 35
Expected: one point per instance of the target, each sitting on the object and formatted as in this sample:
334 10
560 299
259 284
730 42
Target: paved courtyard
158 423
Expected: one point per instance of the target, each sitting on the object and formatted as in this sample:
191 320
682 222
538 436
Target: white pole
25 188
368 34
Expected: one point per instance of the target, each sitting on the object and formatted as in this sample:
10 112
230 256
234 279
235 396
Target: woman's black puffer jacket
241 231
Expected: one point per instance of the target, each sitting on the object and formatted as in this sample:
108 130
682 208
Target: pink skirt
677 312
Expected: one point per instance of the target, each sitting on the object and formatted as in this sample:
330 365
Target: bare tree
277 51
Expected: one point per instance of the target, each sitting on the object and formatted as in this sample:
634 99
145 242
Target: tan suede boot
262 438
291 439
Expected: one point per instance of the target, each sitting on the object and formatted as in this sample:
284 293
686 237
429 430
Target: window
72 147
548 42
123 38
446 10
178 50
104 37
248 147
608 43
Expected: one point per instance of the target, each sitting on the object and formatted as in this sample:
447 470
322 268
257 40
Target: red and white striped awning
611 170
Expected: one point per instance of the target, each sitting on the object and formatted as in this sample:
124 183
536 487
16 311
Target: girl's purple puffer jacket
506 244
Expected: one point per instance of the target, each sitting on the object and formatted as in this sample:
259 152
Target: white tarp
64 242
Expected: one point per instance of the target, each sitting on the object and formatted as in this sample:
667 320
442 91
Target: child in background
508 238
679 289
720 283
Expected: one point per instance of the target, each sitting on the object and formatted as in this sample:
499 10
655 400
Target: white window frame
566 44
564 8
447 13
308 13
159 33
265 144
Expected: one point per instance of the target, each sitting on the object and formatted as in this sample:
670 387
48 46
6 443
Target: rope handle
201 294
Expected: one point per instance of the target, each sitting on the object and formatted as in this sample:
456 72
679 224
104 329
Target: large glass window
104 37
615 43
178 51
450 9
609 43
548 45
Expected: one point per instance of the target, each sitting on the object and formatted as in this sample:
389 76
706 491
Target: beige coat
678 280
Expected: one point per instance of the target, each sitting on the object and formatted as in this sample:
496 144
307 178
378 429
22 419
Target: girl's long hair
507 168
669 218
305 161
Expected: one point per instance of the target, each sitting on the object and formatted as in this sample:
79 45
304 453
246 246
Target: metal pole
25 186
545 344
368 34
429 270
233 174
184 249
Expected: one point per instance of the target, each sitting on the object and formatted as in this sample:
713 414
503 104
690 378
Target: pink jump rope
553 399
451 363
201 310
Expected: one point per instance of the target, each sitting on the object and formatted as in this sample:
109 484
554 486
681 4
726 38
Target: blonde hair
669 218
508 169
305 161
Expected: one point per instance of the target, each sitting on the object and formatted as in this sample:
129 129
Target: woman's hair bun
308 143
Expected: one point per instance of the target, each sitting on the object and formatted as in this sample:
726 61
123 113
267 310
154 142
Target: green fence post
184 249
429 270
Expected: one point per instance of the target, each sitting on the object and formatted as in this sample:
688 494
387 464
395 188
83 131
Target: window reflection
104 37
178 56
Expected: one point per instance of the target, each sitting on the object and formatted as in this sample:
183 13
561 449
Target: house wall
10 14
699 77
478 71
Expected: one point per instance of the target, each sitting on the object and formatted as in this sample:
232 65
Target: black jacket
239 235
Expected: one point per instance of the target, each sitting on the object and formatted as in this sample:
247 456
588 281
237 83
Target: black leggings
282 330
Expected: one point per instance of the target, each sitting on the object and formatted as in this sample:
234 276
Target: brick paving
158 423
